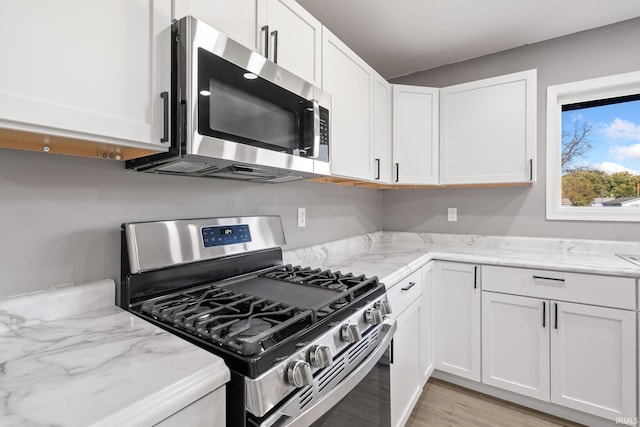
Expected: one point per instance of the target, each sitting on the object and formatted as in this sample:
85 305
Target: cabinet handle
378 168
165 116
544 314
475 277
274 34
552 279
411 285
265 30
530 169
556 308
397 172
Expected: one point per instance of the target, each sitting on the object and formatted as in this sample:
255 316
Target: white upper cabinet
235 18
92 71
349 80
415 135
488 130
381 130
292 36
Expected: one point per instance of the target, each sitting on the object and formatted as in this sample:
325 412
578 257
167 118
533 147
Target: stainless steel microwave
237 115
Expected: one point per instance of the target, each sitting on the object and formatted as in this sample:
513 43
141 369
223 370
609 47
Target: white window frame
571 93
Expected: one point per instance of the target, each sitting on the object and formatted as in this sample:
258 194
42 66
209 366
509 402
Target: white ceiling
398 37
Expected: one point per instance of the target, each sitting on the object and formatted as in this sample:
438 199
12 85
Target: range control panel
225 235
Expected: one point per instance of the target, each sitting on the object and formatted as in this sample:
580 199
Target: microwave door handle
316 128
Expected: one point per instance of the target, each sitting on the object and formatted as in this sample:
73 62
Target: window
593 149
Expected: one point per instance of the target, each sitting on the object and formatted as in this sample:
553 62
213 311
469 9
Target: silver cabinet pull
397 172
378 168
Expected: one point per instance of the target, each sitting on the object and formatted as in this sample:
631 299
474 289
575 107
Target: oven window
242 107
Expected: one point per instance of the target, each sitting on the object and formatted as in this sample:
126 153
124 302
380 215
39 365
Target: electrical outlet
452 214
302 217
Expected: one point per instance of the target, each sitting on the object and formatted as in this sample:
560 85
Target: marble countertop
391 256
71 358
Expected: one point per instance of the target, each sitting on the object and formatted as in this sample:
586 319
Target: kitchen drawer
406 291
608 291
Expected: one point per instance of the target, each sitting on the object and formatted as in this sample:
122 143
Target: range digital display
225 235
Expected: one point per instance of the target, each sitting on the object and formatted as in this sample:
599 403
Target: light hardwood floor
443 404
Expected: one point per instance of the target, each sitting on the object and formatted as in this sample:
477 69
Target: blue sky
615 139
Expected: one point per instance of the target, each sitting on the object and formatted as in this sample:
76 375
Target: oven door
360 398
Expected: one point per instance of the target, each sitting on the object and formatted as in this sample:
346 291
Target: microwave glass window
247 117
251 110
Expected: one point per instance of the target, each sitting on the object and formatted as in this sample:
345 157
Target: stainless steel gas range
305 346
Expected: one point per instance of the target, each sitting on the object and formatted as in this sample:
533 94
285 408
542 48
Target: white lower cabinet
593 359
515 344
406 369
426 323
208 411
578 356
457 319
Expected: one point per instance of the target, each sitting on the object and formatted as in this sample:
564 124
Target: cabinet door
457 302
488 130
235 18
294 38
415 135
208 411
381 130
593 359
349 80
405 365
426 324
86 70
515 344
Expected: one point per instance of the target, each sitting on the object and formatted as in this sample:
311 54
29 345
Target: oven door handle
332 398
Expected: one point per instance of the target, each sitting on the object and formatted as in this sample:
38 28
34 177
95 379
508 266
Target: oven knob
350 333
373 316
320 356
384 307
299 373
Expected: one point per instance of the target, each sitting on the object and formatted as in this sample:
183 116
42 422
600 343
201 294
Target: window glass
600 157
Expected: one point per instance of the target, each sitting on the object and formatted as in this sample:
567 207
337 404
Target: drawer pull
411 285
552 279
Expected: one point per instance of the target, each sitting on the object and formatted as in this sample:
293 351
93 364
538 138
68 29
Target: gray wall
519 210
60 216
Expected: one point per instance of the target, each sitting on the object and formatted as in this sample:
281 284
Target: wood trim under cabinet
365 184
52 144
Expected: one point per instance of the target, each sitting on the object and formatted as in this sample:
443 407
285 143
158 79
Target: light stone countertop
391 256
70 357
